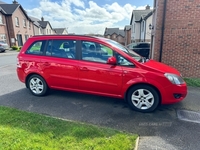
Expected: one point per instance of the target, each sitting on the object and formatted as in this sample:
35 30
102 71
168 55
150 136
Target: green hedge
15 47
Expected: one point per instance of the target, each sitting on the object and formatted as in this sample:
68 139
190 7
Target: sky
83 16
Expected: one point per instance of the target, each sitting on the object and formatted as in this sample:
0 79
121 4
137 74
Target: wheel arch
33 73
154 87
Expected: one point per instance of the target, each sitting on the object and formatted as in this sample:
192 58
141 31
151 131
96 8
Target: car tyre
143 98
37 85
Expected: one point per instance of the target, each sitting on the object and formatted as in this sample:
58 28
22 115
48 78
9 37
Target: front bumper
174 94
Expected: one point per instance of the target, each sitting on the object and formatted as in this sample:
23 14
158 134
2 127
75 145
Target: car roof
70 35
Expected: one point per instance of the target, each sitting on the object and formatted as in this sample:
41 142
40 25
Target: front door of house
19 40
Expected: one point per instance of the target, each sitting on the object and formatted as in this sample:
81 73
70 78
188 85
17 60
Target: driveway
158 131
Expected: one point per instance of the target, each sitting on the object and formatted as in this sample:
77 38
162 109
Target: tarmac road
161 130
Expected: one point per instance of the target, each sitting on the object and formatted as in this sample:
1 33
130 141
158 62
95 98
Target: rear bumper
174 94
21 75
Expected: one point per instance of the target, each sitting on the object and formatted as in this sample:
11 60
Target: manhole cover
187 115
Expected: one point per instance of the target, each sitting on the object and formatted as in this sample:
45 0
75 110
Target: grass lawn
192 82
28 131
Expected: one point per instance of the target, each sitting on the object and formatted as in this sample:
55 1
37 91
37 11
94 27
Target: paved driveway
159 130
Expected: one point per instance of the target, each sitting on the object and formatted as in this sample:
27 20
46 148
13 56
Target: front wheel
37 85
143 98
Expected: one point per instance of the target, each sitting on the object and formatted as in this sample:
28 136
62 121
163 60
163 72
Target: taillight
18 63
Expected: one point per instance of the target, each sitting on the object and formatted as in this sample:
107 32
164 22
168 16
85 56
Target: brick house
36 26
115 34
127 34
46 27
3 27
176 34
60 31
140 21
19 25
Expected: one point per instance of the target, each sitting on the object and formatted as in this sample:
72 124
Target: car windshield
124 49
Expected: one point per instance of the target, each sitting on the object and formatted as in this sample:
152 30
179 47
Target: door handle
84 69
46 64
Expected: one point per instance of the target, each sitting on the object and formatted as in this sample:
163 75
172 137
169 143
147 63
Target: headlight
175 79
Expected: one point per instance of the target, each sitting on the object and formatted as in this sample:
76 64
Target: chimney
15 2
147 7
42 19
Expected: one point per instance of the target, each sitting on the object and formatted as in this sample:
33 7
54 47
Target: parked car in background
142 48
3 46
98 66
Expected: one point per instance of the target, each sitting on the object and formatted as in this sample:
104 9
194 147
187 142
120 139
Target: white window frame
3 37
1 19
17 21
29 24
24 22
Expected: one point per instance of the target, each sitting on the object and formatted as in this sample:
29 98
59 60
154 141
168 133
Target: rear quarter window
37 48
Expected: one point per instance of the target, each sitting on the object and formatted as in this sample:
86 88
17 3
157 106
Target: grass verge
22 130
192 82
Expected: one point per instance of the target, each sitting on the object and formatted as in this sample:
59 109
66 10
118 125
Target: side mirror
112 60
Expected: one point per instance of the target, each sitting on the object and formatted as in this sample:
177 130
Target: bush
14 47
193 82
19 48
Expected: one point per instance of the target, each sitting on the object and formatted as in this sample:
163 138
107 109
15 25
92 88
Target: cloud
79 19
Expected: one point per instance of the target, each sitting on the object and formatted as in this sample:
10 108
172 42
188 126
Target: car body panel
102 78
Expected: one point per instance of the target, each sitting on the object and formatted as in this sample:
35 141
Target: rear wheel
37 85
143 98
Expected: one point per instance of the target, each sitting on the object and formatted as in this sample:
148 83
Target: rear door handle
84 69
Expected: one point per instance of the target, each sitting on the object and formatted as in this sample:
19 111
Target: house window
1 19
26 37
29 24
17 21
114 36
134 27
47 31
24 22
3 37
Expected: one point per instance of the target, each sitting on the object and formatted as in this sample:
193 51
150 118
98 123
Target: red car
97 66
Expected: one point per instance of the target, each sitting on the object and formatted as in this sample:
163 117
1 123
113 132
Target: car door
60 65
96 76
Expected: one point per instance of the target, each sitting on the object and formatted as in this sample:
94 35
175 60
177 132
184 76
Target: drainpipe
145 31
163 29
8 31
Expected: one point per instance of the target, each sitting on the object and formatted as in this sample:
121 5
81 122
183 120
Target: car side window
37 48
144 45
123 61
92 51
61 48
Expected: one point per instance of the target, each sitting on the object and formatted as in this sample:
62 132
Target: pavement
8 52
